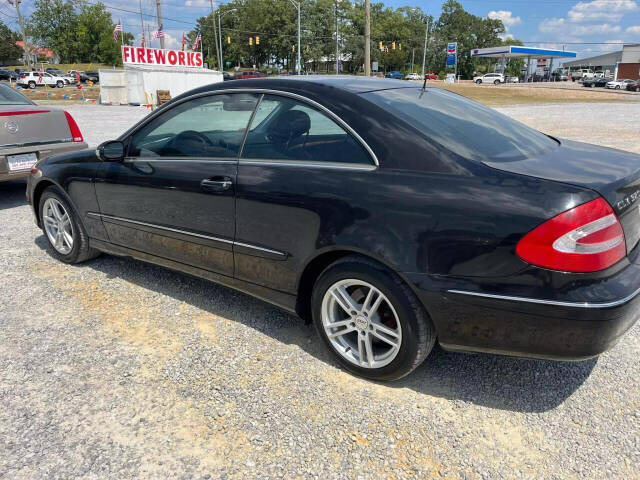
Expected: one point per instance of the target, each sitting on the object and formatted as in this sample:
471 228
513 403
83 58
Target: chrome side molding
184 232
556 303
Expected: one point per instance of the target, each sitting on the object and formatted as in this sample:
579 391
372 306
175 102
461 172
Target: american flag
198 40
116 30
159 33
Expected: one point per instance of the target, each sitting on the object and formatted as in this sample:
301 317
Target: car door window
210 126
286 129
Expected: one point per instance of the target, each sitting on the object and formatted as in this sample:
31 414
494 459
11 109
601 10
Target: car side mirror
111 151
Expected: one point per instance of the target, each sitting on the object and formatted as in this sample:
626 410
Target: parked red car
634 86
431 76
251 74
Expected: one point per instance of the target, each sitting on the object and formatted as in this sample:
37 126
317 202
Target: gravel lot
116 369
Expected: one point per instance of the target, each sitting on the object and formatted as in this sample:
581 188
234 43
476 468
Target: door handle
216 184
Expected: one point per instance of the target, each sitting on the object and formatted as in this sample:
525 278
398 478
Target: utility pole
22 30
142 23
220 15
426 44
159 14
367 38
215 35
413 56
337 44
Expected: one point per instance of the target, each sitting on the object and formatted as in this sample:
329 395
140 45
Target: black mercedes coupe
390 215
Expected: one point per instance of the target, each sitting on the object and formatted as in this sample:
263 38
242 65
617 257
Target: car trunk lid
614 174
25 125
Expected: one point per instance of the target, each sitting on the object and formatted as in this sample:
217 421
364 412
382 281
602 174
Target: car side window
211 127
286 129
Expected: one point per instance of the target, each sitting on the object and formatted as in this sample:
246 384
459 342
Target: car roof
350 84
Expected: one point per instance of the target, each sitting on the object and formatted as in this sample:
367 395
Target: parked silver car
29 133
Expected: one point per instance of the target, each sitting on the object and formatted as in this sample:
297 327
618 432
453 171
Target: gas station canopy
517 51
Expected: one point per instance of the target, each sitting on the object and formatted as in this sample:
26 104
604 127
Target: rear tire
54 208
399 317
496 82
32 85
59 84
478 82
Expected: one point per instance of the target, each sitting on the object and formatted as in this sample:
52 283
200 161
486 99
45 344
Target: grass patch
504 95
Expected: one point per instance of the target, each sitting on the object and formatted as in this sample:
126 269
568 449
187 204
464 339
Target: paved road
117 369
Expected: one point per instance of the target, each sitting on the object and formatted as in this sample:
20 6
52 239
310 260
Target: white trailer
138 84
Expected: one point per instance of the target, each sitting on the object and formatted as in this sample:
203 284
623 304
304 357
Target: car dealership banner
157 56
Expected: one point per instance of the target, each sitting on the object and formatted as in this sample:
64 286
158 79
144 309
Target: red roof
45 52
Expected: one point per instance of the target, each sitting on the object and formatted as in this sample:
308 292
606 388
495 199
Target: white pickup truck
581 74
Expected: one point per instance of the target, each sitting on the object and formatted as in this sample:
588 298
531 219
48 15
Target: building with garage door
623 63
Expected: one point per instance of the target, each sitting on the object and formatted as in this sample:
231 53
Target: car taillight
586 238
73 126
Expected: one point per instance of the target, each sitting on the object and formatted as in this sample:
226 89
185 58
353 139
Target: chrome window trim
257 91
184 232
556 303
297 163
218 160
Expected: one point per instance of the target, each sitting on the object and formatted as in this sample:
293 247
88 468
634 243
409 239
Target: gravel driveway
115 369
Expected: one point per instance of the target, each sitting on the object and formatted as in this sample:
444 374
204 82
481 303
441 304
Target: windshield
10 97
463 126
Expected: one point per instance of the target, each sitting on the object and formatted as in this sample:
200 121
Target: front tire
59 84
617 87
478 82
370 320
496 82
32 85
66 237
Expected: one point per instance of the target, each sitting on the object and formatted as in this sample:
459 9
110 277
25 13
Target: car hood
612 173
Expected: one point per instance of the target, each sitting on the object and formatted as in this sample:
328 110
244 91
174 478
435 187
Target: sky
587 27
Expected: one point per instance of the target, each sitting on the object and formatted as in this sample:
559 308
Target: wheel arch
319 262
39 188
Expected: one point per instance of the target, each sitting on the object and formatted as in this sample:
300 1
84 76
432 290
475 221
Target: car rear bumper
586 321
42 151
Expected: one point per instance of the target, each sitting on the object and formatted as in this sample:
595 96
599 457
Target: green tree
9 51
52 24
468 30
76 31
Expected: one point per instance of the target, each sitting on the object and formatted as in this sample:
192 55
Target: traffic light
250 40
393 45
228 40
257 40
380 46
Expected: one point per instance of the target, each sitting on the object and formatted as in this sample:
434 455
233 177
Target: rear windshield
10 97
463 126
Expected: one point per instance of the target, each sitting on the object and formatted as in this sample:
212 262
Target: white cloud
506 36
506 16
566 29
634 30
601 10
197 3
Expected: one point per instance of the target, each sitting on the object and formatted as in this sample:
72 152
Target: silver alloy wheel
57 225
361 323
